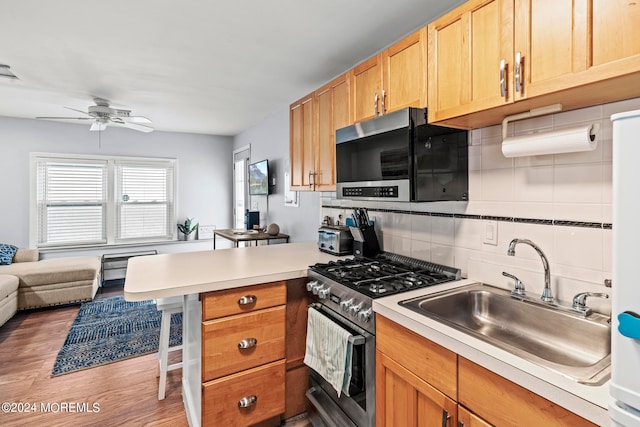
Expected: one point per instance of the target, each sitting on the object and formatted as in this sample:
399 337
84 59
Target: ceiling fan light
5 71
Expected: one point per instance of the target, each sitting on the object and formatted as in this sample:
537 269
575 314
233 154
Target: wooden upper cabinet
564 44
301 134
573 52
332 112
405 73
469 52
391 80
366 89
313 123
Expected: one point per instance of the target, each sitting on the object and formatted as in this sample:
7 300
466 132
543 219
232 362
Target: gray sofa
52 282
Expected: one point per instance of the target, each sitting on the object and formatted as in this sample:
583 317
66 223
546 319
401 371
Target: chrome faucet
547 296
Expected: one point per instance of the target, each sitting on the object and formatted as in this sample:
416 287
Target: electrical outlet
254 205
491 233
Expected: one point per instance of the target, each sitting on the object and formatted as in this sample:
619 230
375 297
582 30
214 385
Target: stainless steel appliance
345 290
400 157
335 239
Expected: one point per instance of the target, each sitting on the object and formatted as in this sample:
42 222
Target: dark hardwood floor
126 392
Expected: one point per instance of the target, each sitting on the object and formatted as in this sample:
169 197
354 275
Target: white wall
270 140
204 168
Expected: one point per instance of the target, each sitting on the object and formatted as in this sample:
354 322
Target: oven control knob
317 288
344 305
310 285
365 315
354 309
324 293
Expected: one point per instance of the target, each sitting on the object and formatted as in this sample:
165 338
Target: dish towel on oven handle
329 351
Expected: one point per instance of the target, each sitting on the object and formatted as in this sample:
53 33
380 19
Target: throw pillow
6 253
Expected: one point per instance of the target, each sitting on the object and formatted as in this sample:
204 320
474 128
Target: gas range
349 286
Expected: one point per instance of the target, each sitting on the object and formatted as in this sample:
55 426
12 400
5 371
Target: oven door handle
355 339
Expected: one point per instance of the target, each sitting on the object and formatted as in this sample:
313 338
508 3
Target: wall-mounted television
259 178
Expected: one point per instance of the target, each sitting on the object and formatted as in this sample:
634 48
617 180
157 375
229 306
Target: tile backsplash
562 202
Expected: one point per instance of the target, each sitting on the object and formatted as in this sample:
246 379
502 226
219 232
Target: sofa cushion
8 297
47 272
26 255
6 253
8 285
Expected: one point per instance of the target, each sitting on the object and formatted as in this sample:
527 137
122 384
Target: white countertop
587 401
167 275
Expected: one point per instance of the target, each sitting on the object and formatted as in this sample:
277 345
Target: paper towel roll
581 138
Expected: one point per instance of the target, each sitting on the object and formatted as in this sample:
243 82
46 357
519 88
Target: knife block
368 247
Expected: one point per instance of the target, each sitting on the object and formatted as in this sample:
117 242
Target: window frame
111 215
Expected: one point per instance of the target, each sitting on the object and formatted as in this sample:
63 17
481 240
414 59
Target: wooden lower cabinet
403 399
271 368
221 398
468 419
420 383
503 403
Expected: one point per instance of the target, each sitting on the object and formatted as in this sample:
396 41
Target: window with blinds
144 201
105 200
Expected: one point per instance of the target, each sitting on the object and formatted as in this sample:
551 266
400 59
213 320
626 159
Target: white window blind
144 201
71 202
82 200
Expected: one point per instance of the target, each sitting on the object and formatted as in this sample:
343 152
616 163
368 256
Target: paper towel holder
535 112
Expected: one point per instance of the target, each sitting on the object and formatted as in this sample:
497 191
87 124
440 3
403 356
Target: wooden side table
247 236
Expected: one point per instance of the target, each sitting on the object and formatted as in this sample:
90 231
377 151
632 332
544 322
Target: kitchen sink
578 347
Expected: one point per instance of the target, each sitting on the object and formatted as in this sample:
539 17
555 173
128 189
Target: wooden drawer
501 402
220 352
429 361
227 302
220 397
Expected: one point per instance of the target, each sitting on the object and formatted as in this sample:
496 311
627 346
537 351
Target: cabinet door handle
460 424
375 104
247 401
384 109
518 75
445 417
503 81
247 300
248 343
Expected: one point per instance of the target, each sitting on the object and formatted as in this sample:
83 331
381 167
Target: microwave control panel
390 191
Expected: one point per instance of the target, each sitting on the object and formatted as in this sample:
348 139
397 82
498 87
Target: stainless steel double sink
578 347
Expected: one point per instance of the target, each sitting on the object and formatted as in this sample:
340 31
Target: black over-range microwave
399 157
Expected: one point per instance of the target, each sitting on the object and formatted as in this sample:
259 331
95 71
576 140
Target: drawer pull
247 299
248 343
247 401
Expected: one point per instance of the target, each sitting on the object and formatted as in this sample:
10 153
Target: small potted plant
187 230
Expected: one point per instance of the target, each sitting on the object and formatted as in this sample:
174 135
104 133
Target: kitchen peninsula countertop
167 275
589 402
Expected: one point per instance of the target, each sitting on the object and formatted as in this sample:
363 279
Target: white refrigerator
624 404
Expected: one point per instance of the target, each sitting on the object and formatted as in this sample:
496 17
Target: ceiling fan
102 115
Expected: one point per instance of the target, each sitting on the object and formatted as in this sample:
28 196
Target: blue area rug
111 329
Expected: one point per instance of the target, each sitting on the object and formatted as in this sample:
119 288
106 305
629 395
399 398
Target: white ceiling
200 66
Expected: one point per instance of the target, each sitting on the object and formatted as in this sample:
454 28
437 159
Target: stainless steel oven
357 407
345 289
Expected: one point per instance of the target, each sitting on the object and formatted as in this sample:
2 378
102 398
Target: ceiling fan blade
134 126
96 126
137 119
79 111
66 118
126 114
